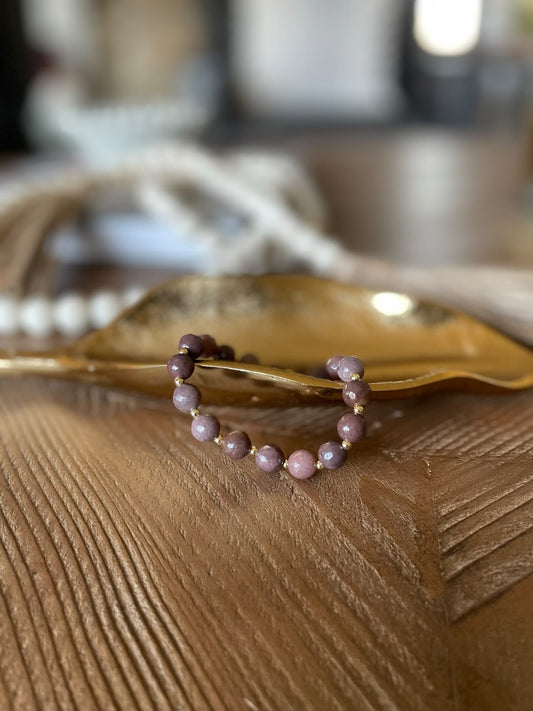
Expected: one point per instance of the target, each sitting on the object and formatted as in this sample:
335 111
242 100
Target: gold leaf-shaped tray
293 324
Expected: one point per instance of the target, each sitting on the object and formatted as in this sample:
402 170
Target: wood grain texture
141 570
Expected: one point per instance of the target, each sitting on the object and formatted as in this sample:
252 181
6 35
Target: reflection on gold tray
293 323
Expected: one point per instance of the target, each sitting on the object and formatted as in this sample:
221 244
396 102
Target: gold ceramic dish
293 323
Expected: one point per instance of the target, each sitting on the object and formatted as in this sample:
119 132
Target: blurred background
231 64
414 117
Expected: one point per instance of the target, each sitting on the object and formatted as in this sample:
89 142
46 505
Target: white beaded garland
104 306
70 314
256 188
36 316
131 295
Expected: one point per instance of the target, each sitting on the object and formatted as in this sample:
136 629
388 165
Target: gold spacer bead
184 351
358 409
178 382
319 466
285 465
195 412
346 445
355 376
218 440
253 449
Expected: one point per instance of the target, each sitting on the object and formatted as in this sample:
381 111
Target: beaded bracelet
302 463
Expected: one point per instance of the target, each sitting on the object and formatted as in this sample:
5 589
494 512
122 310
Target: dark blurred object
14 75
440 71
218 20
469 62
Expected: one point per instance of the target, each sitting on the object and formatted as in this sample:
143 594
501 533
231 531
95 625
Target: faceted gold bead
346 445
195 412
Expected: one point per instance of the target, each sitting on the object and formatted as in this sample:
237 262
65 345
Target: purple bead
269 458
180 366
236 445
332 365
356 392
351 427
186 397
332 455
205 428
225 353
348 366
209 345
194 344
301 464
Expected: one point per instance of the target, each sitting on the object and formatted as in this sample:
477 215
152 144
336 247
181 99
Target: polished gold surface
293 323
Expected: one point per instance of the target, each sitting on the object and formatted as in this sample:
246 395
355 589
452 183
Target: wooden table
139 570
